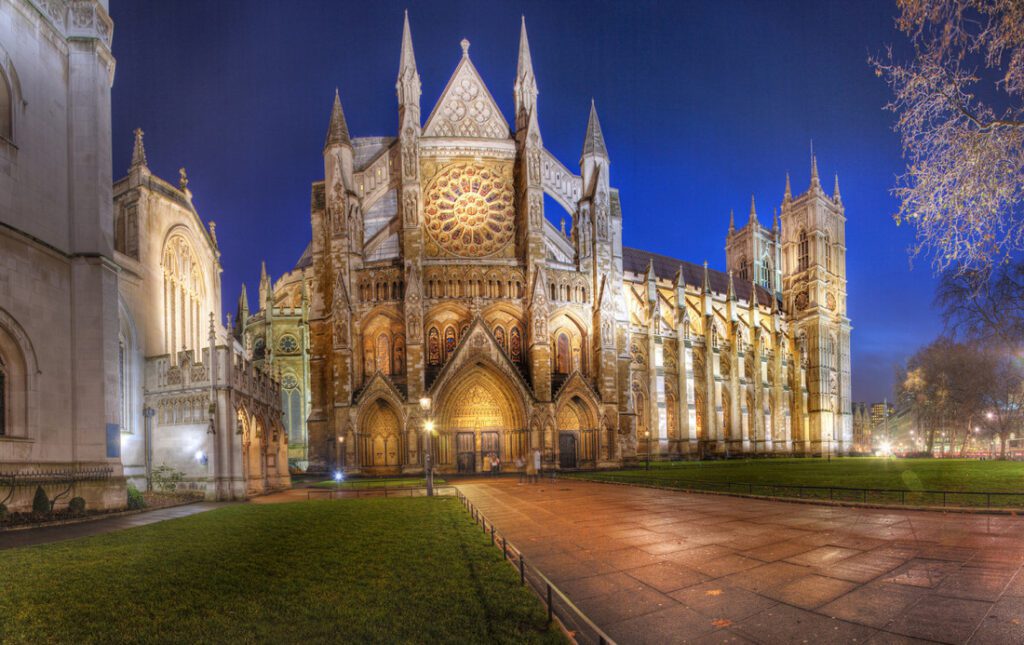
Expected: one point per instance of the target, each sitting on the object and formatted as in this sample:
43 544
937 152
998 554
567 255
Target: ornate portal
470 211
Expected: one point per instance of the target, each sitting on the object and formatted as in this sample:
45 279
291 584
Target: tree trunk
1002 445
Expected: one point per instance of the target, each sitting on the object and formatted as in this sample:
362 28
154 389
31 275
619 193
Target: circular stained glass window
288 344
470 211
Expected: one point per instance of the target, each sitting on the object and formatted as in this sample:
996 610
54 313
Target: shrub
76 506
135 499
40 503
166 479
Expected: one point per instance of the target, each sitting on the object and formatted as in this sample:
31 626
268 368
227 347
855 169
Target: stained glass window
433 346
516 345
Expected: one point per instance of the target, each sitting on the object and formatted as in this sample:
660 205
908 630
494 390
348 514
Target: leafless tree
959 102
984 307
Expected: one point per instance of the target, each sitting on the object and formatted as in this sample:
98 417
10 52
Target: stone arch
381 435
18 370
380 330
569 343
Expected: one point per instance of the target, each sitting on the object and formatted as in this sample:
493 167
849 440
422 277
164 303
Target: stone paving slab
658 566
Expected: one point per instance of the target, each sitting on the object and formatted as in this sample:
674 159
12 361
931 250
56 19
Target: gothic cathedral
434 275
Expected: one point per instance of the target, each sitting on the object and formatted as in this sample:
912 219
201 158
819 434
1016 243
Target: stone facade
59 412
434 272
191 398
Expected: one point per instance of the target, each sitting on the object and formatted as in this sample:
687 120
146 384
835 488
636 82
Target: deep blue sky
702 104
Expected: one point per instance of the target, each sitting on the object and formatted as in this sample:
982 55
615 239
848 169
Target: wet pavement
47 534
653 566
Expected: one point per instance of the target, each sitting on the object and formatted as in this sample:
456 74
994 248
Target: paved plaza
652 566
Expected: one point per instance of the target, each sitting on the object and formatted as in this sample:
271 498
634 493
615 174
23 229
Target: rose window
469 210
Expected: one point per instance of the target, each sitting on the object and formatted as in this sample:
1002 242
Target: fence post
943 498
522 568
504 548
549 604
492 533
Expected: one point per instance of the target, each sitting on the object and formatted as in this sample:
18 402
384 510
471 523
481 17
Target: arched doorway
480 414
381 436
578 435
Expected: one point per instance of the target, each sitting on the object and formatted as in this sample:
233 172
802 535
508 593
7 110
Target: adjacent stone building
191 398
59 407
434 273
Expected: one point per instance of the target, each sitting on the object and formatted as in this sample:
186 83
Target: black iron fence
383 490
885 496
557 603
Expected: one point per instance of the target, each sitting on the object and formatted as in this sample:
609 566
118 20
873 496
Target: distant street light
647 436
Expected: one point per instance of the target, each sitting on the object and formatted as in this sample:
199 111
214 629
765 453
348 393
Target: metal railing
398 490
557 603
66 477
901 496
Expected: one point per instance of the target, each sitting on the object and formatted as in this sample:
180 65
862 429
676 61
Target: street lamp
647 436
339 443
428 430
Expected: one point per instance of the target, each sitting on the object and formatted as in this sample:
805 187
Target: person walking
536 465
487 464
495 465
531 470
521 468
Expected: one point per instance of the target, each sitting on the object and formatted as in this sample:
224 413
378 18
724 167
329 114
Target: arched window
803 251
291 404
6 108
828 253
184 295
766 273
449 342
384 354
516 345
563 358
744 270
3 397
499 335
434 346
398 355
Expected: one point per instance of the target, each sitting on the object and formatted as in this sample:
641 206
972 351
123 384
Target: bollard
492 534
504 549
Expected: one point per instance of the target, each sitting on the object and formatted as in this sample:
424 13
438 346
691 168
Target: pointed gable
466 107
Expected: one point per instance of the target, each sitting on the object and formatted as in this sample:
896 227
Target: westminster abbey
435 287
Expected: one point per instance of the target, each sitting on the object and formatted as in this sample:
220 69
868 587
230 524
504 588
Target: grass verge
968 480
377 571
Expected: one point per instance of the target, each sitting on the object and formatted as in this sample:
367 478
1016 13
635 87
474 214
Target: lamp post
647 436
428 430
339 445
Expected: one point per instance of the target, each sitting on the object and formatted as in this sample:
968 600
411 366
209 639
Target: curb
967 510
92 518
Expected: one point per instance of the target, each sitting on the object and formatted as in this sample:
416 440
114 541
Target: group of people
529 467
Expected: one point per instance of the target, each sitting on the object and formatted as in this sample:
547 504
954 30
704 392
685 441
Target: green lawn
373 570
384 482
913 475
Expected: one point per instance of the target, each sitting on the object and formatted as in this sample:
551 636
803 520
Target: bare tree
984 307
962 129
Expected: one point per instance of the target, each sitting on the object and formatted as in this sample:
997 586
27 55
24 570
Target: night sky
702 104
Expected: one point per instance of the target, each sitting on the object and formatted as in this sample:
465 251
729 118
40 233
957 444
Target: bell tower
814 293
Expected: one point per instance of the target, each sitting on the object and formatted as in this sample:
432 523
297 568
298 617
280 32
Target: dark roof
306 259
666 268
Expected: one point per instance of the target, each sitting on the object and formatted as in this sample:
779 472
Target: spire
788 194
707 278
337 131
732 222
775 220
526 81
732 290
593 143
139 151
815 182
243 301
836 197
408 84
753 210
